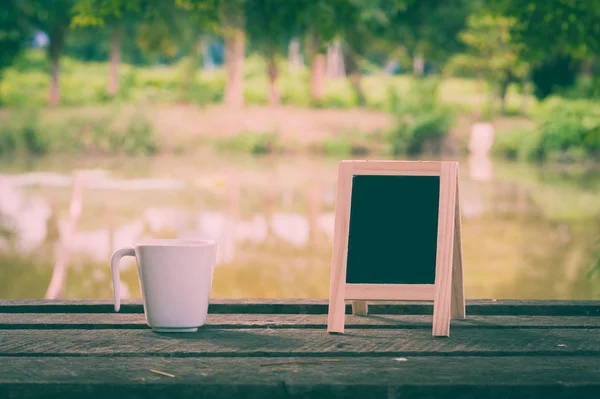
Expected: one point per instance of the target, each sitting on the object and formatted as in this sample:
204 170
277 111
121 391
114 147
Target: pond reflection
273 221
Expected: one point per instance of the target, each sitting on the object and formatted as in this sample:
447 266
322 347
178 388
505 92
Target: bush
568 125
251 142
565 130
421 119
350 143
521 144
101 133
20 134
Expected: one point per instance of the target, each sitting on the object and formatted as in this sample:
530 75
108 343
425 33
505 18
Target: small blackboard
397 237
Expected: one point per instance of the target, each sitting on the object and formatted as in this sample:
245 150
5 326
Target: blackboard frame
447 291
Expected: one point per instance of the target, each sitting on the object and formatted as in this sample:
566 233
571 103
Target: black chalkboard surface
393 230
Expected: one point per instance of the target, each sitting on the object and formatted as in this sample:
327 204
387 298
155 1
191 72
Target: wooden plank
137 321
385 167
278 342
337 281
410 377
458 290
445 251
360 308
316 306
421 292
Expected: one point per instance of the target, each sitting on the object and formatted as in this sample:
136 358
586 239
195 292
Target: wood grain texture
337 285
404 168
360 308
413 377
252 355
93 321
482 307
285 342
445 251
414 292
458 290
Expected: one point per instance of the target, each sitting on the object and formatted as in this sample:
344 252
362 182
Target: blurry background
124 119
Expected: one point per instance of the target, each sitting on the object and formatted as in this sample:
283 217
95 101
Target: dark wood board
386 378
137 321
315 306
283 342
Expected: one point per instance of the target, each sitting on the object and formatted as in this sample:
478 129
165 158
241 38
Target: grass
148 117
25 84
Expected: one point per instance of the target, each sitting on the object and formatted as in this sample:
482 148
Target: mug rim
175 242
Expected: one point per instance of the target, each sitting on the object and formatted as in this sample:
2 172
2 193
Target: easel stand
447 292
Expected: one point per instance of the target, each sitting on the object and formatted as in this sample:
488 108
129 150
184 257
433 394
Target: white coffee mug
175 278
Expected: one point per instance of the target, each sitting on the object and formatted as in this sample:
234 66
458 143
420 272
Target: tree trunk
190 71
317 77
294 56
57 40
54 91
419 65
525 95
503 91
273 74
317 70
115 60
233 24
355 77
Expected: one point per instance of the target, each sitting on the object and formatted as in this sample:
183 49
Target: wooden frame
447 292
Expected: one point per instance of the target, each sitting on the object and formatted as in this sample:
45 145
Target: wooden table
264 349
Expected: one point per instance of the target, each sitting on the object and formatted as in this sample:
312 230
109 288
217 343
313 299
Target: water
528 231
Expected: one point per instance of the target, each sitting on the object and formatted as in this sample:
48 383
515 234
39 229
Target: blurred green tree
428 30
316 21
15 30
165 28
573 26
490 55
270 25
54 18
560 38
114 14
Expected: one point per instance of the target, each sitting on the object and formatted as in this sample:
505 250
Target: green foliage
14 29
583 87
430 27
518 144
97 12
270 24
421 119
553 73
84 83
542 27
104 133
570 126
26 83
350 143
490 54
566 130
251 142
20 134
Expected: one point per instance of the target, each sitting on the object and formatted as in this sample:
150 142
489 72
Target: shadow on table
235 339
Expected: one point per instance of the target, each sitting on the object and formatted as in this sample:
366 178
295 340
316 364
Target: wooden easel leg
336 314
337 287
360 308
445 251
458 292
441 317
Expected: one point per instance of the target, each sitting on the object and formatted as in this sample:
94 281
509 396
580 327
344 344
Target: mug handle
114 266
